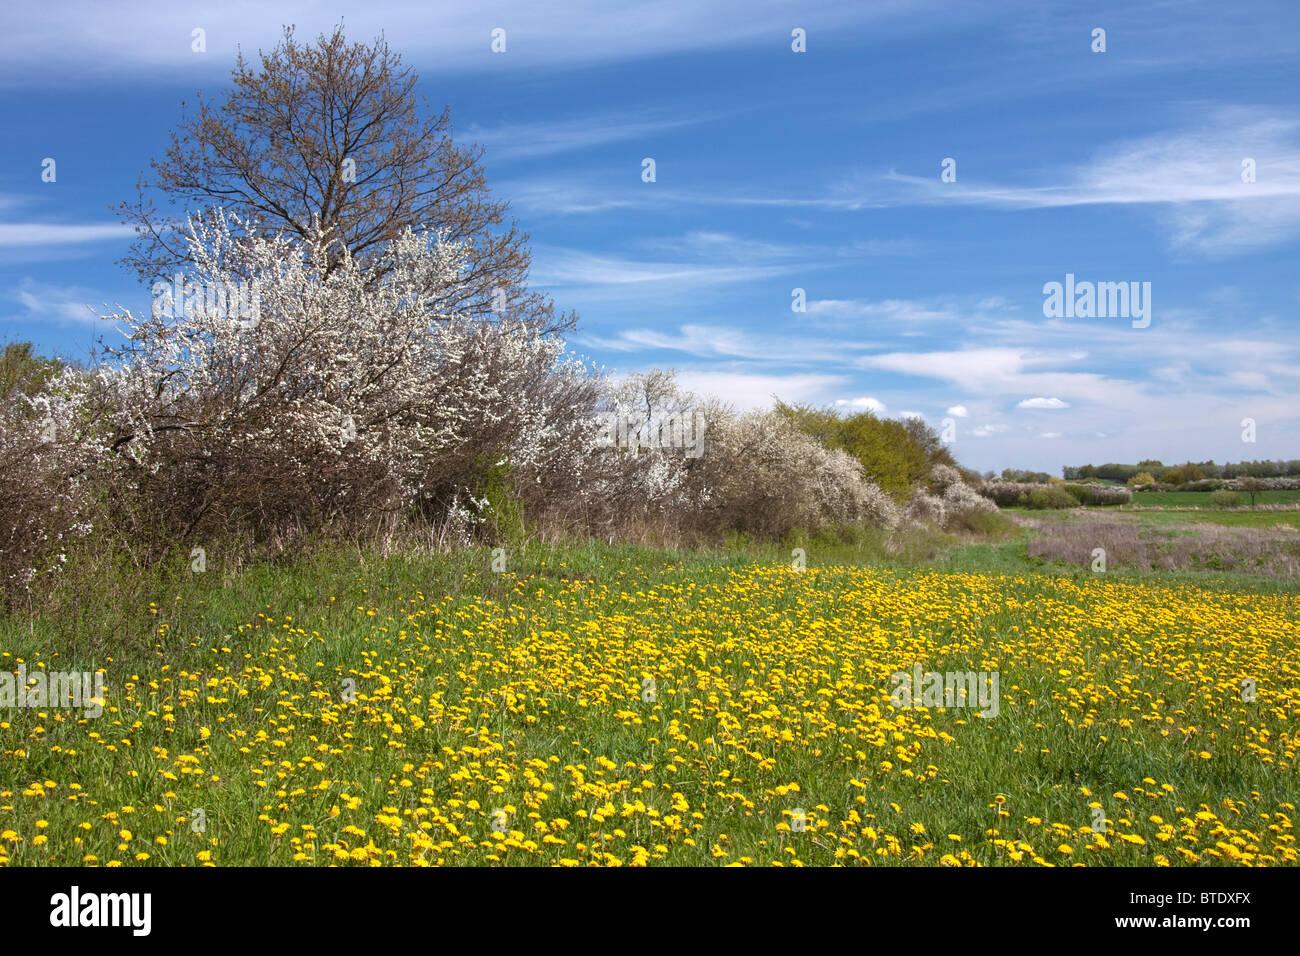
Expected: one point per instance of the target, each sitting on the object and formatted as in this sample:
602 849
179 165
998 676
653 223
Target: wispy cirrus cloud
1193 176
572 267
711 341
899 310
531 139
62 304
697 258
91 39
569 198
560 196
60 234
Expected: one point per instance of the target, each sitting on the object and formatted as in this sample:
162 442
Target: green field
622 706
1205 499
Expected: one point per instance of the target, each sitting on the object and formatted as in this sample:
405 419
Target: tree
929 441
331 136
1252 487
889 453
21 369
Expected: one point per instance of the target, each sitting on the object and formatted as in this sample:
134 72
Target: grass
1231 518
618 705
1161 531
1204 499
1183 545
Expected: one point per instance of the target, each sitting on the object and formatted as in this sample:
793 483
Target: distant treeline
1188 471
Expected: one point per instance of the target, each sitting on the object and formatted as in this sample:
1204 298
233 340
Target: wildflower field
649 713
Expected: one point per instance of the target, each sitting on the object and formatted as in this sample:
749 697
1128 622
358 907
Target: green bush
1057 494
22 370
896 456
1099 495
1048 498
505 509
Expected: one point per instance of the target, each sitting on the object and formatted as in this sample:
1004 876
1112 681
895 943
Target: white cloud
1008 371
958 411
573 267
48 233
526 140
1192 176
1043 403
89 38
567 198
746 390
698 258
888 310
711 341
63 304
867 402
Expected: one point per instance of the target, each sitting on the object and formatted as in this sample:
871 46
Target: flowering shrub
924 507
1026 495
960 499
943 477
766 476
344 400
313 394
52 445
1234 484
957 502
1100 495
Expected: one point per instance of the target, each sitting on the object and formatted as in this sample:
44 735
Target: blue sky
778 170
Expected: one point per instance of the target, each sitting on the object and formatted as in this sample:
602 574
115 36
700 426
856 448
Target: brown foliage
1271 552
